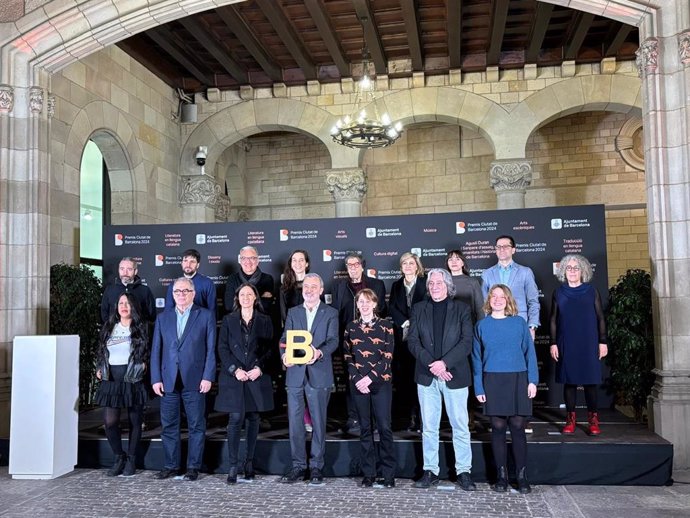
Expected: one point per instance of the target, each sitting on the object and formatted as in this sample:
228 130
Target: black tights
517 424
111 417
570 397
235 421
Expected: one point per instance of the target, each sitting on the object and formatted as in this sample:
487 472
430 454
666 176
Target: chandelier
362 130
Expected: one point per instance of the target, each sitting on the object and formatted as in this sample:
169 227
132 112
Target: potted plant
75 300
631 339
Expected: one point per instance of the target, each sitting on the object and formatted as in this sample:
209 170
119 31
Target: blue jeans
430 400
194 405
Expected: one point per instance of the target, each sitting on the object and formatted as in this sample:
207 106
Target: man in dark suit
312 380
128 282
344 301
440 339
183 366
204 289
251 273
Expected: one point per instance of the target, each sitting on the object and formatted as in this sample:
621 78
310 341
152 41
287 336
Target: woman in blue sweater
505 380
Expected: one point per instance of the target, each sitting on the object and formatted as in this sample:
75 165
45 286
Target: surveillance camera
200 155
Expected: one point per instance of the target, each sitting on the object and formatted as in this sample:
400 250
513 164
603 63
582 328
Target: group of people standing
441 332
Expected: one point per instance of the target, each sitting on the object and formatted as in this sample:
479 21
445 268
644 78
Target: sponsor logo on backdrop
371 232
371 272
388 232
460 227
119 240
160 302
201 239
284 234
531 247
215 238
327 255
159 260
416 251
556 224
434 252
136 239
576 223
304 234
388 275
328 298
482 226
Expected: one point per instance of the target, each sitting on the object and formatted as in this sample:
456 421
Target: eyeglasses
248 259
503 247
353 265
572 268
182 292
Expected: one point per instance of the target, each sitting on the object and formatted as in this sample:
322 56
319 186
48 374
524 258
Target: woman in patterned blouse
369 347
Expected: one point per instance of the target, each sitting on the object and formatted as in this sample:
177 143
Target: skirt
115 393
506 394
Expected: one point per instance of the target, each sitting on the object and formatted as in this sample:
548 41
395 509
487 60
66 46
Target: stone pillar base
669 413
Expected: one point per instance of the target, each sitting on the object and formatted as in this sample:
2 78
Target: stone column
664 66
509 179
348 187
202 199
24 219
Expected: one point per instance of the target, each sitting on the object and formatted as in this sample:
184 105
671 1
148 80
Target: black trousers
377 404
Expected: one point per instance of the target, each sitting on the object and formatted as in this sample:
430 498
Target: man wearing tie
312 380
183 366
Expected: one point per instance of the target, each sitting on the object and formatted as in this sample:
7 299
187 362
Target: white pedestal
45 406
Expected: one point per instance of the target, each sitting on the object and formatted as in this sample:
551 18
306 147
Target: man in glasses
128 282
344 293
251 273
204 289
520 280
183 366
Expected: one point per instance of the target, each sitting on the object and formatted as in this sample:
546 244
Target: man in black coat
128 282
440 339
251 273
344 301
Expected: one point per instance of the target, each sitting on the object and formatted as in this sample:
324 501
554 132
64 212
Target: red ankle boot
593 418
569 427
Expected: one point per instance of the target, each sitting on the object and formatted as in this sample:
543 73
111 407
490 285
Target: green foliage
75 300
631 339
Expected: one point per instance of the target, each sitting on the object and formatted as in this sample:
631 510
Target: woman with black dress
123 356
505 380
578 335
406 292
244 390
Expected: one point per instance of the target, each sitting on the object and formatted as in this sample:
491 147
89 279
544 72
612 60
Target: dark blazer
344 299
397 302
456 347
193 354
265 284
141 292
244 396
324 333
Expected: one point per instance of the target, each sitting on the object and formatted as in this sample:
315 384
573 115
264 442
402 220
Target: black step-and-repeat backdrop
543 236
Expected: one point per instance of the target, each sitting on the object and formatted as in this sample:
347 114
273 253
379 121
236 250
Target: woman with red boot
578 335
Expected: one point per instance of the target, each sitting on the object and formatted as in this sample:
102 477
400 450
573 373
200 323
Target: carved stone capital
222 207
629 143
36 100
647 57
6 98
199 189
684 47
51 105
347 184
510 175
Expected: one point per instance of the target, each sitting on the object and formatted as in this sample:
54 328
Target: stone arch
234 123
118 144
616 93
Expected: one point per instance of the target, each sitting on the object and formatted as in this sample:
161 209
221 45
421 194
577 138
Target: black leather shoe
386 482
232 475
249 473
130 466
427 480
316 477
118 465
501 485
413 425
465 482
165 473
294 475
523 484
191 475
367 482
